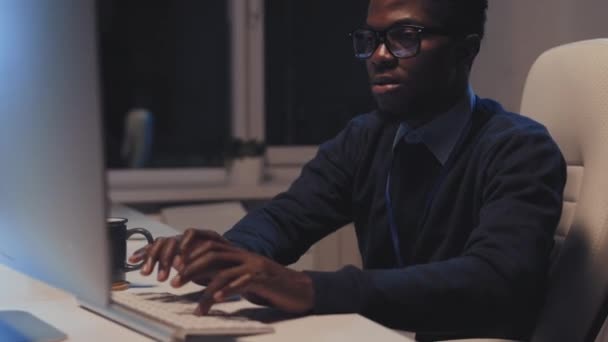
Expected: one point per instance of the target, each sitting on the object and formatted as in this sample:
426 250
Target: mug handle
148 236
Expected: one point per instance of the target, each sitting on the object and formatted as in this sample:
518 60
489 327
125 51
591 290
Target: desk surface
20 292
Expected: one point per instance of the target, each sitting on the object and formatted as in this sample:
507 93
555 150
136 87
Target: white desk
19 292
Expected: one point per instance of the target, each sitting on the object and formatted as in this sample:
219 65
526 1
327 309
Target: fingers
235 287
157 251
192 236
169 252
206 265
232 280
204 248
139 255
178 262
166 259
205 276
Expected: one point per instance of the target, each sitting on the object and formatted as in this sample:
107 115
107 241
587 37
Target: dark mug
119 234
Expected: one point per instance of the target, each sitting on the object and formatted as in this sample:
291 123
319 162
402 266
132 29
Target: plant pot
246 171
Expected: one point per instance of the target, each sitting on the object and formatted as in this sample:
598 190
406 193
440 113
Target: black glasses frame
380 38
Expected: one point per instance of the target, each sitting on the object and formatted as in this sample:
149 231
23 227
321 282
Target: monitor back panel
52 173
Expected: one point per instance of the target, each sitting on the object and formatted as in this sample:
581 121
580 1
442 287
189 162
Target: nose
382 55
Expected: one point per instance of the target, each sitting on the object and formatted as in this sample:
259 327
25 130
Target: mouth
382 85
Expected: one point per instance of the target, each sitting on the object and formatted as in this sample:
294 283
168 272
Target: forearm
316 204
285 228
446 298
263 234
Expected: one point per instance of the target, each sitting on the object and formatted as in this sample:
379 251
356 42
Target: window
281 71
314 85
171 59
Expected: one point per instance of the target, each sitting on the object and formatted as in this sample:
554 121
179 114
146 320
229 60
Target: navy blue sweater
477 266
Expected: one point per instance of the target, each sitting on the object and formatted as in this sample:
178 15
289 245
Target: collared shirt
441 134
484 245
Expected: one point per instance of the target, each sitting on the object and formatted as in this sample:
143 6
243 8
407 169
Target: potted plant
245 161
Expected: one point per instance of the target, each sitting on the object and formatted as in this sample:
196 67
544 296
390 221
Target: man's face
405 87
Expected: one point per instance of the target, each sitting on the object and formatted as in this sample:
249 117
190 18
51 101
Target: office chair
567 91
602 336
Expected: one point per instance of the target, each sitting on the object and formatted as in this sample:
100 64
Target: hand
166 251
230 270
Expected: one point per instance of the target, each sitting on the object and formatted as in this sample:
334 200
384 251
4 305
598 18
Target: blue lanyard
429 199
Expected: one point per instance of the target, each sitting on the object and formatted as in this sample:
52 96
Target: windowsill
264 190
156 186
130 179
131 186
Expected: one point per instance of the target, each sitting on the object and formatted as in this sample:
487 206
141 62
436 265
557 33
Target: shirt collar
442 133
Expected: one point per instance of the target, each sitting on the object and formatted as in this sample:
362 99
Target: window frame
248 121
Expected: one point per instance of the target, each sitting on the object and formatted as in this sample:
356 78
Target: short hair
466 16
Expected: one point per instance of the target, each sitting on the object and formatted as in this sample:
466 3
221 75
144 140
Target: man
455 201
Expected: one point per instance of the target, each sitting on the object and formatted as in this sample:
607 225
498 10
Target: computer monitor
52 179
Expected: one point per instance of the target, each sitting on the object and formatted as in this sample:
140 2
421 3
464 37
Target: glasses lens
403 41
364 43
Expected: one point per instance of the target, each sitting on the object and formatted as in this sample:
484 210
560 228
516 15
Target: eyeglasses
402 41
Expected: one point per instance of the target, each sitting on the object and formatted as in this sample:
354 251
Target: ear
471 44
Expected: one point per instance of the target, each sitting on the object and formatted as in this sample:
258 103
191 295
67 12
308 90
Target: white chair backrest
567 91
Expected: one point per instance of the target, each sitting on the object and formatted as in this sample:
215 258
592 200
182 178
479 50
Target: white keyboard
177 311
